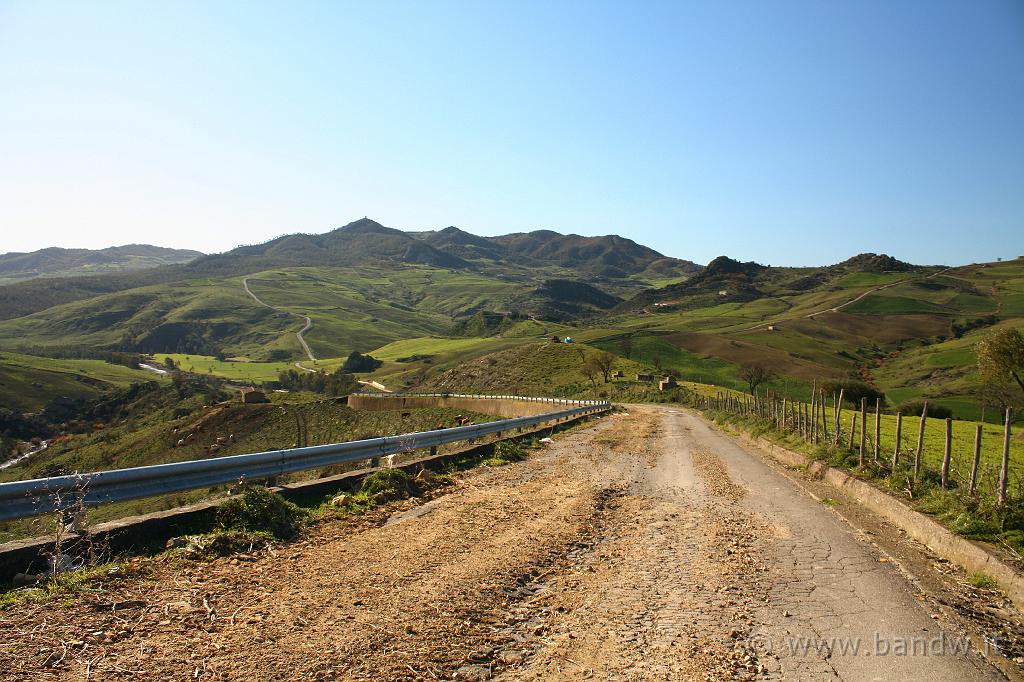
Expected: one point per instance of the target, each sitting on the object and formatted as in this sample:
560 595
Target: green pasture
28 382
241 370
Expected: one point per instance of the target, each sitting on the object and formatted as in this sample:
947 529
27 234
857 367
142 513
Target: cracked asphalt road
827 584
648 547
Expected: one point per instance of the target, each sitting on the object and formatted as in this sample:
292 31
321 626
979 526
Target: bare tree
755 375
998 395
591 370
626 346
605 361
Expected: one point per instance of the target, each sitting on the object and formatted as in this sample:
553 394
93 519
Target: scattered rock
24 579
340 500
472 673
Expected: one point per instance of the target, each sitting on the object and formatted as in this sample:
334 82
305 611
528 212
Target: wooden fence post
839 417
814 416
863 429
947 452
878 430
977 459
920 440
824 416
899 432
853 430
1004 473
815 411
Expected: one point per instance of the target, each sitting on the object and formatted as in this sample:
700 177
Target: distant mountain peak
723 265
875 262
365 226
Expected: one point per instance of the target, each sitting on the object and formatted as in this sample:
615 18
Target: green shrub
260 510
1014 538
983 581
934 411
971 526
509 451
853 391
388 484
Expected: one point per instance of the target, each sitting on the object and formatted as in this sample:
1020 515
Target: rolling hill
910 330
57 262
906 328
619 264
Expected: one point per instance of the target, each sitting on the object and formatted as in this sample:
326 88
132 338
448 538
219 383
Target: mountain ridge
55 261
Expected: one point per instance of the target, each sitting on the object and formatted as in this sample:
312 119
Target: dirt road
299 334
648 547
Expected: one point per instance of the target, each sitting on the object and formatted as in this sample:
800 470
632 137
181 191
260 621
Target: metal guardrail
45 495
530 399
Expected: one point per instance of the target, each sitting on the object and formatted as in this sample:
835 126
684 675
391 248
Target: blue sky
784 132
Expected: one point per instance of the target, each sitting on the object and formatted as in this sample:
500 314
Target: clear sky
784 132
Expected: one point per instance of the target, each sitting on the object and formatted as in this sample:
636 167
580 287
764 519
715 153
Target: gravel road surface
646 547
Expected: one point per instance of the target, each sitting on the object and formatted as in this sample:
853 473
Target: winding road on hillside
298 334
836 309
648 547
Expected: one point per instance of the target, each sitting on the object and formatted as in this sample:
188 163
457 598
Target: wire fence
972 459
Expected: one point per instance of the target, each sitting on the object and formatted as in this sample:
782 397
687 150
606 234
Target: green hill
523 258
28 383
57 262
365 286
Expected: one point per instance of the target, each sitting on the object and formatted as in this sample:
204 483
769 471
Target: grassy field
438 347
28 382
242 370
654 351
934 443
883 304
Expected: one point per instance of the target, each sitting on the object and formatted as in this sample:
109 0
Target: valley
425 302
310 318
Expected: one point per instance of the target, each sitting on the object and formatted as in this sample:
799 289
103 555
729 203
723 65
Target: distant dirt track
298 334
835 309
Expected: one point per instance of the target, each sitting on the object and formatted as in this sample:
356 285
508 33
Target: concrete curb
965 553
